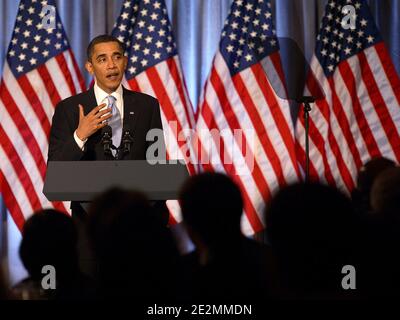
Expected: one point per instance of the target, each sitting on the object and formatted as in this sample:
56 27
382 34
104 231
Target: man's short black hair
101 39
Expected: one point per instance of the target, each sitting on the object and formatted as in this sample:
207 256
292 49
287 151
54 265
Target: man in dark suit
79 121
79 124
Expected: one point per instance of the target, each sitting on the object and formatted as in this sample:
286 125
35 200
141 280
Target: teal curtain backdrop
197 25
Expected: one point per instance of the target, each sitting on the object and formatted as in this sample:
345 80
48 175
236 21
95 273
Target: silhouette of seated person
225 263
135 253
383 243
49 238
365 179
313 231
385 196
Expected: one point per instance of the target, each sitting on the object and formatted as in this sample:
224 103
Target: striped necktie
115 122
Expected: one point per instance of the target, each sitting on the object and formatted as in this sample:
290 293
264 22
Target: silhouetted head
49 237
118 218
212 206
133 247
383 240
366 177
312 227
385 195
302 213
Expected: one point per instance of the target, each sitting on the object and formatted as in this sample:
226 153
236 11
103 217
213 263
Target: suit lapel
89 101
131 111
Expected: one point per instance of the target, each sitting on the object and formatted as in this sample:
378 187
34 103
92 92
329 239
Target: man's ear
89 67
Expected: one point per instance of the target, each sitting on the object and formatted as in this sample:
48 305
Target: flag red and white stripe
359 118
154 68
239 96
27 102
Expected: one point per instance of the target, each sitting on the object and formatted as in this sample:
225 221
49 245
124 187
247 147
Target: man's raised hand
93 121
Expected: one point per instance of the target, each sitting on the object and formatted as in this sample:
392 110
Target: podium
83 180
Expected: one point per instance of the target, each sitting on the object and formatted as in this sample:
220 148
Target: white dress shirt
101 97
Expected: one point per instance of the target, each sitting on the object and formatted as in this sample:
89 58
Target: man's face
108 65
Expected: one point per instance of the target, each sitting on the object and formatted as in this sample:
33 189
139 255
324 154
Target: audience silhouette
49 239
313 232
225 263
380 249
365 179
134 250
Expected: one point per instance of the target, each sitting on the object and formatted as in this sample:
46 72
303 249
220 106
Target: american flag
359 118
154 68
239 96
39 71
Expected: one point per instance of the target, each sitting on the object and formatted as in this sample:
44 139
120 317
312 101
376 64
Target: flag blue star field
154 68
359 118
40 70
257 147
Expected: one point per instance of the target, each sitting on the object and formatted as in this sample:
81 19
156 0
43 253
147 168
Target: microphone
106 140
125 147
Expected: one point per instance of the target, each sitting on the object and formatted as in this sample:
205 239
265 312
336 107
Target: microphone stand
107 143
306 101
125 147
